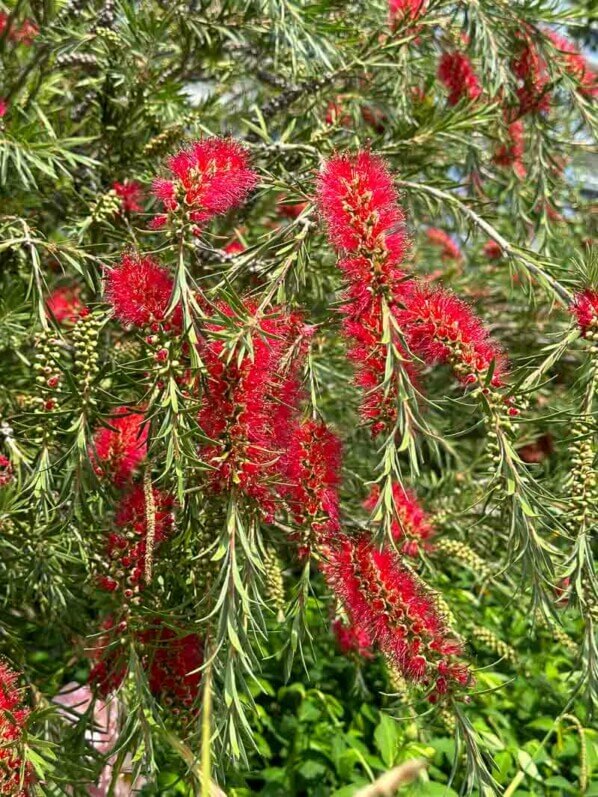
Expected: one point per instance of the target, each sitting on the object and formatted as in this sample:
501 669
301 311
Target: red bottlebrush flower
359 203
287 388
352 639
209 178
562 592
530 69
550 211
110 661
312 469
15 775
390 604
441 328
537 451
139 291
336 115
290 210
493 250
575 64
234 248
511 152
363 328
173 666
26 33
405 10
119 449
126 548
65 305
247 405
23 34
449 249
456 72
374 118
584 308
410 524
170 662
6 471
3 107
130 193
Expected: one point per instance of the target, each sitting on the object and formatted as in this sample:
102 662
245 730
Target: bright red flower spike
248 405
139 291
311 469
357 199
173 666
400 10
392 607
359 203
6 471
511 152
411 525
209 178
65 305
493 250
171 662
449 249
530 69
456 72
440 328
127 547
118 451
352 639
585 311
575 64
130 193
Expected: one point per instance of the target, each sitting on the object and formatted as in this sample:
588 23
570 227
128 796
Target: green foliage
336 724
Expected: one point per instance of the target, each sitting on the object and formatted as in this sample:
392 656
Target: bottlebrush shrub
270 284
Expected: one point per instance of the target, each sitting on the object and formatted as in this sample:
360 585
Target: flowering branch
559 290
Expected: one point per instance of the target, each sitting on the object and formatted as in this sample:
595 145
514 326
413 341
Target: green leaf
386 738
431 789
528 765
